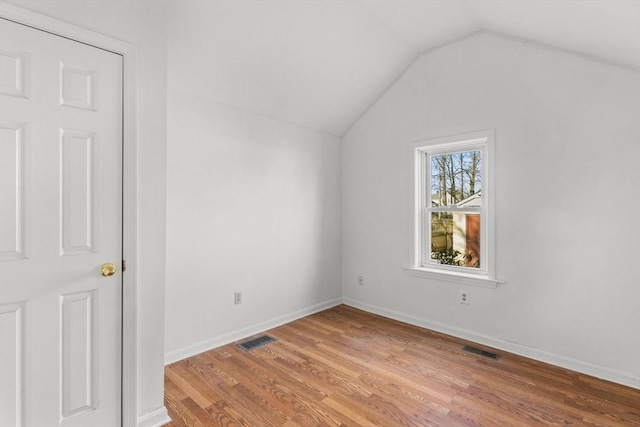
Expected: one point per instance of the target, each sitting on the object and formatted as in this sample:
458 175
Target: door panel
12 190
60 220
13 371
77 192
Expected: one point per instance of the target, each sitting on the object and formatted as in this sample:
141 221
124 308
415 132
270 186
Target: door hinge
124 266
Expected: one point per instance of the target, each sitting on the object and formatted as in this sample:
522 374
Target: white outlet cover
464 297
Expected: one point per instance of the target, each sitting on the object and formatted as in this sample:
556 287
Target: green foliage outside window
449 257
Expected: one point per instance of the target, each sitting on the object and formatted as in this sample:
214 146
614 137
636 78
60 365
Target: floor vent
256 343
480 352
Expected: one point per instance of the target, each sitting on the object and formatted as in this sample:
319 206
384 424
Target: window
453 208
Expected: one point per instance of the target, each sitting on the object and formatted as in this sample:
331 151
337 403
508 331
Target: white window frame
421 151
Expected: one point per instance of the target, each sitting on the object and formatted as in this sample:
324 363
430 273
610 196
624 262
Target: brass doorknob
108 269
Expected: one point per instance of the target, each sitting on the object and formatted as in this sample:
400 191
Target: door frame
129 55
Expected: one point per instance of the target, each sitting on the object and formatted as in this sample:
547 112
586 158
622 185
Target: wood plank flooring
344 367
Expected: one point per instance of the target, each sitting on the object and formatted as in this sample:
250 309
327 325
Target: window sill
459 278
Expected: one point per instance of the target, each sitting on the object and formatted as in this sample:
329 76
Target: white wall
253 206
278 59
144 25
567 186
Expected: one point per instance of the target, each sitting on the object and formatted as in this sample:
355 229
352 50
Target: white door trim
129 53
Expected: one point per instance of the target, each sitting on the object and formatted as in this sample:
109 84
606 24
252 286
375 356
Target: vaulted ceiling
322 64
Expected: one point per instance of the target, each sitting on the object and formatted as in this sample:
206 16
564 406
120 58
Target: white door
60 220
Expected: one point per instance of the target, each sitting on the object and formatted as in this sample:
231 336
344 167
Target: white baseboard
602 372
156 418
191 350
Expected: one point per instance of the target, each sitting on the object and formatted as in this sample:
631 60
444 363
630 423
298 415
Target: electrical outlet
463 297
361 280
237 298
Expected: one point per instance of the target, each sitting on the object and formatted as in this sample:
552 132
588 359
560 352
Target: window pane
456 179
455 239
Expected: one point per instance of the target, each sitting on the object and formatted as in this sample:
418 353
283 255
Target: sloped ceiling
322 64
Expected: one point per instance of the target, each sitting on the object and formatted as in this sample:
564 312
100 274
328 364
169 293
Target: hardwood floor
345 367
